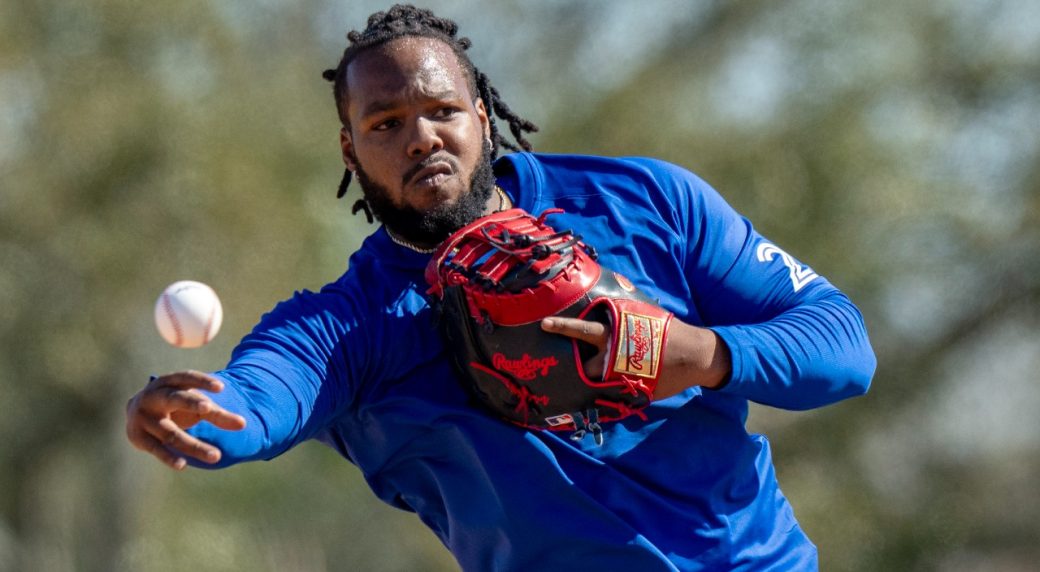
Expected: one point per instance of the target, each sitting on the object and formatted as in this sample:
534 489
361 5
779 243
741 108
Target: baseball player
364 365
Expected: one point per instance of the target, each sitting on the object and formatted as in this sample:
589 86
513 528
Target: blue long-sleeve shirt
360 366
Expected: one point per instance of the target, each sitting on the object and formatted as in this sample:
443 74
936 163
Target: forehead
405 66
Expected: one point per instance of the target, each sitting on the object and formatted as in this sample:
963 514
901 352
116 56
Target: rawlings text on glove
494 280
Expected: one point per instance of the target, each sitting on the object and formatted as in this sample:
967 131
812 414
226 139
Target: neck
498 201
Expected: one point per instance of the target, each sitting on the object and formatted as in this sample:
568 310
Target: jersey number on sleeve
800 275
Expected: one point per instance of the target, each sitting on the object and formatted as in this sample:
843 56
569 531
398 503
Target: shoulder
562 164
373 281
626 177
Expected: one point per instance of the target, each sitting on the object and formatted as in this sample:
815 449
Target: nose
425 139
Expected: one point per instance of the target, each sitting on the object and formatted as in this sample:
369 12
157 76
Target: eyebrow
390 104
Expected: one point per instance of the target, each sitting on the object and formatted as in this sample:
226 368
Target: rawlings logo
640 346
524 368
641 341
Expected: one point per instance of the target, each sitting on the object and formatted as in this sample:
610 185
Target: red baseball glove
493 281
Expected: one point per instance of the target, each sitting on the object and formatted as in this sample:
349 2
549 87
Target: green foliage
887 146
890 145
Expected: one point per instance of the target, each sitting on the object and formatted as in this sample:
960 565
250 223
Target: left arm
775 332
795 341
812 354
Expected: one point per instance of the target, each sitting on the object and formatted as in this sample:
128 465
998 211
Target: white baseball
188 314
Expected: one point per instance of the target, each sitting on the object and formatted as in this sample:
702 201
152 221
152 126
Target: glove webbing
489 262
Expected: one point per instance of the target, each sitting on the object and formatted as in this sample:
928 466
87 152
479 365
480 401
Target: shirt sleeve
288 377
796 341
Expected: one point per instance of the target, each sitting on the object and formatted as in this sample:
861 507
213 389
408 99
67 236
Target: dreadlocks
404 20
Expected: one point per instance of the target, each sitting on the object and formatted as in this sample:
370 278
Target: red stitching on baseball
209 323
168 306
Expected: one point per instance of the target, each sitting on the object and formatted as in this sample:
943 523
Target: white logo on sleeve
800 275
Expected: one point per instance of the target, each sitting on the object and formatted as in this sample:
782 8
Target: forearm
274 417
809 356
235 446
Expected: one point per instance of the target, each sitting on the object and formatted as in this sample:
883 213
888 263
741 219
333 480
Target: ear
485 124
347 146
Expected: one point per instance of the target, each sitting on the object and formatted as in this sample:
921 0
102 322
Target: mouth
432 175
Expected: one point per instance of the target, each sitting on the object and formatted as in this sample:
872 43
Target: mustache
441 158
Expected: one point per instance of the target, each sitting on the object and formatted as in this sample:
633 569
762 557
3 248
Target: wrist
692 357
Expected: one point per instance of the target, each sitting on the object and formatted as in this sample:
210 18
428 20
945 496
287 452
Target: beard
432 226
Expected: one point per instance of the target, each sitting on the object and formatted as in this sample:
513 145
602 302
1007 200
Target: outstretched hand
156 418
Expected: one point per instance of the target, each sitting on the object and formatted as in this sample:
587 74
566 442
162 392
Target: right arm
284 382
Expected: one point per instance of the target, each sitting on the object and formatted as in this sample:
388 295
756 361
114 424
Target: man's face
417 138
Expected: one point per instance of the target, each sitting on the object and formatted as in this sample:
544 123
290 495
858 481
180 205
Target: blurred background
892 145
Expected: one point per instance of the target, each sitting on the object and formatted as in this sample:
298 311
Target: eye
385 125
446 112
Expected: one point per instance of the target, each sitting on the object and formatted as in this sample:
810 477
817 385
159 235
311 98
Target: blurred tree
890 145
893 147
143 144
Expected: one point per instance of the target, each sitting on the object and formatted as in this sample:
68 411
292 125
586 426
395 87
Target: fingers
209 411
176 395
167 442
189 380
173 437
159 414
225 419
170 399
154 447
594 333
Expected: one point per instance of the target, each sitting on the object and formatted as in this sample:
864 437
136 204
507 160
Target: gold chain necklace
502 200
408 245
